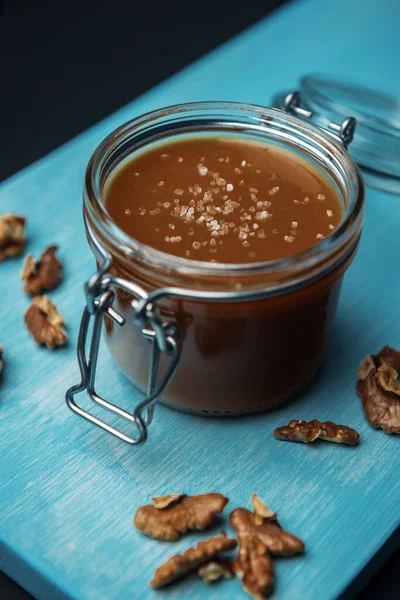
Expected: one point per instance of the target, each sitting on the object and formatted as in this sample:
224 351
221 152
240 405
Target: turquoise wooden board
68 491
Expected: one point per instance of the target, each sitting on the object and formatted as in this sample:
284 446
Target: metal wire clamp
164 337
343 132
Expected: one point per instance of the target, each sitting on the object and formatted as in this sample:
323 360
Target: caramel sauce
226 200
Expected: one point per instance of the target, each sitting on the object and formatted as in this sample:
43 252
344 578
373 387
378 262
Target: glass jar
248 336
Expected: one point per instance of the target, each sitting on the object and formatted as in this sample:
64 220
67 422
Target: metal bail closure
343 132
163 337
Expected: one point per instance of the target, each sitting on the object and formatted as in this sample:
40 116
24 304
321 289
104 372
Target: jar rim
285 126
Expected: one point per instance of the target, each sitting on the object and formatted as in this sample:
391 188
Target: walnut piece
12 235
191 559
44 275
189 512
269 532
215 570
379 388
164 501
44 323
254 567
307 432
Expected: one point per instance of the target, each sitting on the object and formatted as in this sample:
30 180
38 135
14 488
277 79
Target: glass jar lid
376 143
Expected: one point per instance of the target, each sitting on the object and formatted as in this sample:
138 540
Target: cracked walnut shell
182 515
191 559
12 235
378 385
307 432
44 275
45 323
254 567
215 570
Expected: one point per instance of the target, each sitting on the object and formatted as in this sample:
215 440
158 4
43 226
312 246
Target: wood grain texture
68 491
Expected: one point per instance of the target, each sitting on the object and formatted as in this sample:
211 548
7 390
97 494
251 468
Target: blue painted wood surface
68 491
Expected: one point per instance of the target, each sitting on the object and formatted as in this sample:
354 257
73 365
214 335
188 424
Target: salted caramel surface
223 199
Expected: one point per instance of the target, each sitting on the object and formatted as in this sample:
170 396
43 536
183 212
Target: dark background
66 65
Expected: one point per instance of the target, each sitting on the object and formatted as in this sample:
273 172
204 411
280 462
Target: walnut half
43 275
309 431
175 514
45 323
12 235
191 560
378 385
278 541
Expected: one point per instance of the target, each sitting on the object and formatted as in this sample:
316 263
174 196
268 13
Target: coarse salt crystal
237 170
245 244
331 227
296 202
320 197
264 214
164 156
160 183
253 190
178 191
294 224
320 236
196 245
229 187
329 213
128 212
256 226
202 170
243 163
167 204
171 226
289 238
180 159
136 174
274 190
